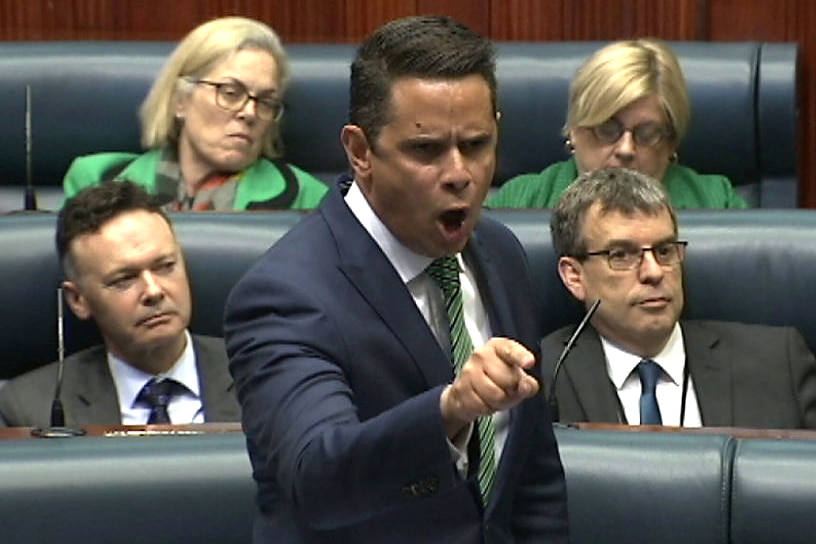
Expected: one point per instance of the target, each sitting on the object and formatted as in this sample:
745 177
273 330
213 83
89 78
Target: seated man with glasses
637 362
628 108
211 126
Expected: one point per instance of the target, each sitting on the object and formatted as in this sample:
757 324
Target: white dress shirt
429 299
185 407
622 369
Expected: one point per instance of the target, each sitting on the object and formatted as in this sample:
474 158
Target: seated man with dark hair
616 236
124 268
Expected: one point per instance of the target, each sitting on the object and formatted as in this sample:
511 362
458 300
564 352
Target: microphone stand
58 428
551 398
30 197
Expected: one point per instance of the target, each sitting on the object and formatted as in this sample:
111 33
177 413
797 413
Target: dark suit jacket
339 378
89 395
744 375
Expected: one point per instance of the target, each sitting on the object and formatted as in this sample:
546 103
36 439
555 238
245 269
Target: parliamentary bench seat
84 98
753 266
623 486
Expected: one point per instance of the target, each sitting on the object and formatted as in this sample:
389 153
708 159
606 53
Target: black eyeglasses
647 134
626 258
233 96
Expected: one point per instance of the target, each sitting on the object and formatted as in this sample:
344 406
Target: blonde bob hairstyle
623 72
196 55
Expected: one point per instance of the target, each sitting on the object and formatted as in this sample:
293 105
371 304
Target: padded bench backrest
127 490
85 97
646 487
754 266
773 492
622 486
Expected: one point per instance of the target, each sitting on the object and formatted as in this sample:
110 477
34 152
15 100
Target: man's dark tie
157 395
649 373
445 272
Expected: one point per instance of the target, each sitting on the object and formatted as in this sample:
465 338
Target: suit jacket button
412 490
422 488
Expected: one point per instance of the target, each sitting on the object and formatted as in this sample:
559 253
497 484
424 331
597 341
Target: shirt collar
130 380
672 359
408 264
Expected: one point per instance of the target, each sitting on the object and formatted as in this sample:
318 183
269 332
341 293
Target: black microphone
30 197
57 428
551 398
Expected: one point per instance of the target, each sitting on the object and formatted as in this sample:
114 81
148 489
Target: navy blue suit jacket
339 378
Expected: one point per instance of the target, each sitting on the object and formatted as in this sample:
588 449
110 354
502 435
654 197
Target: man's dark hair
427 47
615 190
91 208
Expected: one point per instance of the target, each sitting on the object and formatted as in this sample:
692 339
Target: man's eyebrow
629 242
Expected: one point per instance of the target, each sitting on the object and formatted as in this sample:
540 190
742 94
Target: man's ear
572 274
76 300
358 152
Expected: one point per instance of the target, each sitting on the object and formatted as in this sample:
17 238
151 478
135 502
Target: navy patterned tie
157 395
649 373
445 272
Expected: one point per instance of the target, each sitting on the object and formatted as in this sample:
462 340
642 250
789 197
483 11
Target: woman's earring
568 147
674 158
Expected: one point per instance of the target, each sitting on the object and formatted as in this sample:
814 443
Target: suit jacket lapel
586 375
491 288
710 371
496 304
92 399
217 387
369 270
493 291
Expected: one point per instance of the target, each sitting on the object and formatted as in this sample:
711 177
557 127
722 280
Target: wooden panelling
527 20
306 21
474 13
804 34
299 21
595 19
602 20
759 20
363 16
41 20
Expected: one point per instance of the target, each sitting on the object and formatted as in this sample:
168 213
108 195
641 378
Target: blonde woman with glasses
628 108
210 124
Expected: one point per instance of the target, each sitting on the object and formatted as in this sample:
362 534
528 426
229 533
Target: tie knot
157 393
649 373
445 272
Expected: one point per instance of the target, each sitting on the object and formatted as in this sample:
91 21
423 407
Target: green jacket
686 188
261 182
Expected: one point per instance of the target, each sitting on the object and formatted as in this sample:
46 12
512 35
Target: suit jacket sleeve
803 374
25 401
307 431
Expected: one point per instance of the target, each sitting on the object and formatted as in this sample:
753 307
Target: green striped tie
445 272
